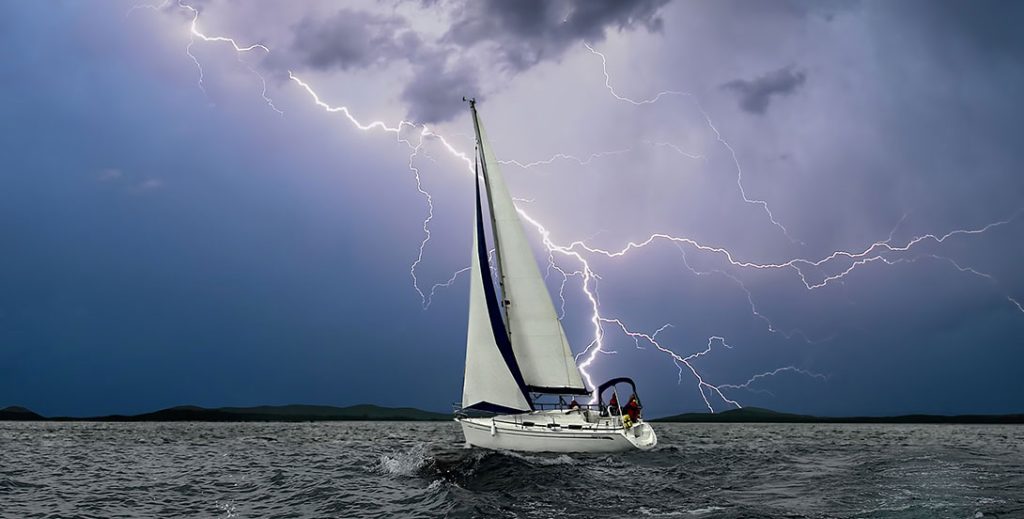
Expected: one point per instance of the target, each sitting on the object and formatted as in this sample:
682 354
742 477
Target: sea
417 469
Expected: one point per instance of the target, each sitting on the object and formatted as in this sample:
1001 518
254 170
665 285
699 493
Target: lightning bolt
445 284
707 119
750 297
981 274
772 373
575 251
152 7
194 33
965 269
397 129
873 253
679 360
859 258
426 227
596 155
565 156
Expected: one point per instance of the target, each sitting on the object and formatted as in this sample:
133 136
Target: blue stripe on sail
497 324
493 408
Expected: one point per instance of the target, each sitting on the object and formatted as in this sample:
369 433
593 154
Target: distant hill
325 413
746 414
760 415
282 413
15 413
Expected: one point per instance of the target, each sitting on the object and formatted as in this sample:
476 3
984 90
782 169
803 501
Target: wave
404 463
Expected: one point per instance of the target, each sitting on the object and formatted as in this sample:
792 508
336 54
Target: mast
490 210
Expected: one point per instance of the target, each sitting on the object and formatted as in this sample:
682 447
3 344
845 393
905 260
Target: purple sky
181 222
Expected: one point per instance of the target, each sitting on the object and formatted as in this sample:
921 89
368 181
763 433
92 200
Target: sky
826 199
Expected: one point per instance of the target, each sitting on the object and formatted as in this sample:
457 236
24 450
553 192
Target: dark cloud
354 39
528 32
755 95
357 39
435 91
523 33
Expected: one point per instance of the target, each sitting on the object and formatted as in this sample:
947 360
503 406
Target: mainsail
541 348
493 380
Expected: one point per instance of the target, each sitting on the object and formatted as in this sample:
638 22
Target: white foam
705 510
404 463
563 459
658 513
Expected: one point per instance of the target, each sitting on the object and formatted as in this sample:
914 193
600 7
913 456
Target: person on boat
574 405
613 405
632 408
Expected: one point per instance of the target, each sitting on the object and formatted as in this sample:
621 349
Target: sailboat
517 354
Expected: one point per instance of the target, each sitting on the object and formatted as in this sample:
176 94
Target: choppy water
422 470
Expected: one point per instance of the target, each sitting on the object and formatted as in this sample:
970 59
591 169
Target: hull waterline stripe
602 436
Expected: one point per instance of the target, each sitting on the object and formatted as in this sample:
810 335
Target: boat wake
468 468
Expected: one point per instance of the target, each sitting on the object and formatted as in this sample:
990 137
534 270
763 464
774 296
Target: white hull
550 431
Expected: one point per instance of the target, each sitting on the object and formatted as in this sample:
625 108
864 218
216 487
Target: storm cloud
755 95
354 39
516 35
526 33
435 91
